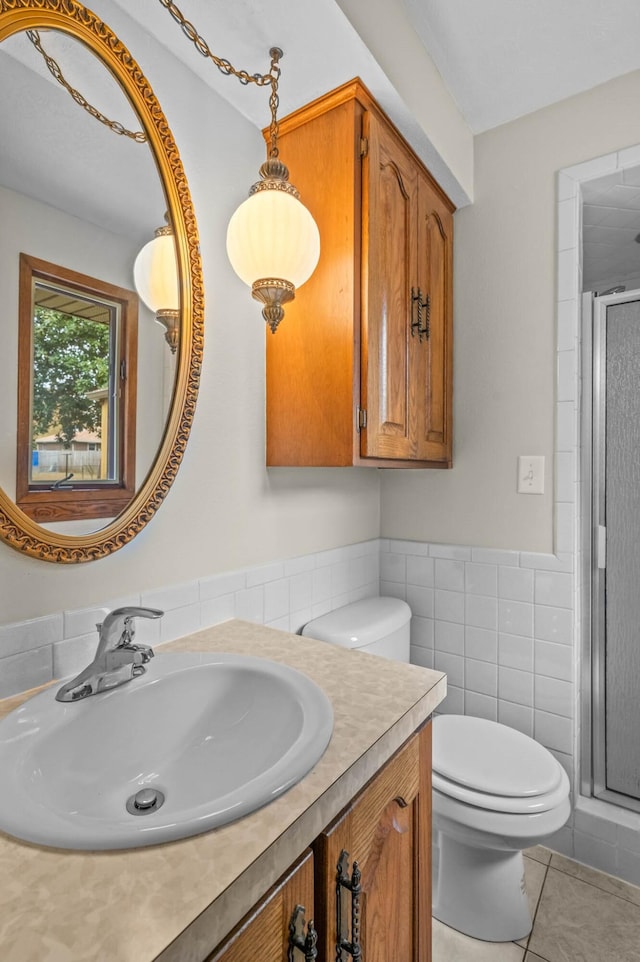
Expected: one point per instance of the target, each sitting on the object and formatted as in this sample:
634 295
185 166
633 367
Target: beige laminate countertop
175 902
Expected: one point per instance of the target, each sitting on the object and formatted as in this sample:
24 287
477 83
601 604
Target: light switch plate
531 474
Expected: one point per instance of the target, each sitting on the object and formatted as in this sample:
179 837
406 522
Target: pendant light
273 242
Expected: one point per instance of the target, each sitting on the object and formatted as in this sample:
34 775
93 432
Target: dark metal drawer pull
297 938
353 885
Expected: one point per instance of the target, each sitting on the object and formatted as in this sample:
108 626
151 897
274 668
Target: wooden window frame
84 500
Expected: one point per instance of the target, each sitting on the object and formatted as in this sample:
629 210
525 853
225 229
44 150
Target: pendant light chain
273 242
54 69
274 101
225 67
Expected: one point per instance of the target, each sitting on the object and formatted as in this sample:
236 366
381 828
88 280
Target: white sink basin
219 735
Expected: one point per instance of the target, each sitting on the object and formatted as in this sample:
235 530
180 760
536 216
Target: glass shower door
616 544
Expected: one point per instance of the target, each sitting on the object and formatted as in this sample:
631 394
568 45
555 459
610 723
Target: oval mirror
98 400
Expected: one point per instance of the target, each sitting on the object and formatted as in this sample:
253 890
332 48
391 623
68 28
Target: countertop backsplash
285 594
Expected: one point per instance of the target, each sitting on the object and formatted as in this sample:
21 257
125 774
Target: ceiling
502 59
321 49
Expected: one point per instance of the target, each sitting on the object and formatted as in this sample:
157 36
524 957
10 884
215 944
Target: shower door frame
593 416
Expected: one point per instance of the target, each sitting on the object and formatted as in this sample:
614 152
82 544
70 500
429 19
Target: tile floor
580 915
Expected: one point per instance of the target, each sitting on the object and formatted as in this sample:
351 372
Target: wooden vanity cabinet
263 936
387 833
386 830
359 371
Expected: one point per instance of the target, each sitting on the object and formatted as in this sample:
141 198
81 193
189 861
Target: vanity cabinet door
263 935
387 832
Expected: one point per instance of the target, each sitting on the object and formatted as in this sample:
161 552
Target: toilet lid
361 623
492 759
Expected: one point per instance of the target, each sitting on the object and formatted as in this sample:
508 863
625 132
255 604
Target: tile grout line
535 914
533 920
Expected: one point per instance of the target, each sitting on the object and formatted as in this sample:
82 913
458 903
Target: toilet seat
491 766
504 803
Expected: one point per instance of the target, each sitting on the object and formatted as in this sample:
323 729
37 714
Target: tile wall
285 594
500 624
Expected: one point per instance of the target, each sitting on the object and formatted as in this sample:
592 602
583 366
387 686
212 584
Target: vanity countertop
174 902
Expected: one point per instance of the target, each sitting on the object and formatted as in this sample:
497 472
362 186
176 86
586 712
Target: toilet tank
377 625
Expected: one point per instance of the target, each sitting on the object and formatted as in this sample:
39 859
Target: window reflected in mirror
76 394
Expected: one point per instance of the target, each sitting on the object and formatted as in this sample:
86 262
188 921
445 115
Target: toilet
495 790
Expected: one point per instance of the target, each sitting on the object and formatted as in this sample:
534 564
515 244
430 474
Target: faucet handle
134 611
128 628
116 631
127 613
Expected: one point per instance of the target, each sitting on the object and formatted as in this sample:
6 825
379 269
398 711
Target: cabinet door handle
414 322
352 884
298 940
420 314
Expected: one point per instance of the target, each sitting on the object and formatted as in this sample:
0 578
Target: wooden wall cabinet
386 830
360 370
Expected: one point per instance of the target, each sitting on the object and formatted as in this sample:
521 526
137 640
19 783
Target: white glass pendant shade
273 235
155 273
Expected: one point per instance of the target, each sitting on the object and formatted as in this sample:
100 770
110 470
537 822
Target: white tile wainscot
285 594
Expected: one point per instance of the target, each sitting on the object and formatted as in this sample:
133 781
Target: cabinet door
387 831
433 353
263 936
389 223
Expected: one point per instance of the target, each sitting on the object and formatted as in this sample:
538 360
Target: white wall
225 509
505 329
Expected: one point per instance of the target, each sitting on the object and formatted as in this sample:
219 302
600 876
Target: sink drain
144 802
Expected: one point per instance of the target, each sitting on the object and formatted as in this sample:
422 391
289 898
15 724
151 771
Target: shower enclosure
611 543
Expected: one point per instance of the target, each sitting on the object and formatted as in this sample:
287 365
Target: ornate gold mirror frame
16 528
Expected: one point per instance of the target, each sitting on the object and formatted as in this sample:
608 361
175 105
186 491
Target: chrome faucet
117 660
